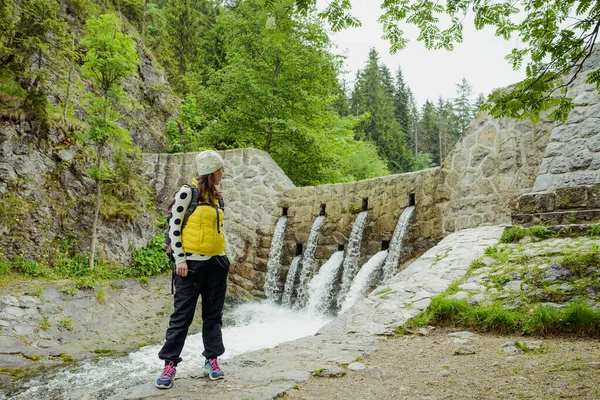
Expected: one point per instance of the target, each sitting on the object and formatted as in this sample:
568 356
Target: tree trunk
69 82
67 95
440 144
269 138
95 225
144 22
96 213
416 141
267 147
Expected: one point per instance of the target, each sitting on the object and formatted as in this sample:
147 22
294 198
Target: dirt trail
426 367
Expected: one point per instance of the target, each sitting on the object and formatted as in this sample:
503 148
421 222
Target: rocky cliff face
44 187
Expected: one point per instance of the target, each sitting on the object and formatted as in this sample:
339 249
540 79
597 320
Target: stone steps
563 206
570 217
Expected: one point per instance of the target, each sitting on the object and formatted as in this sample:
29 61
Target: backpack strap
192 206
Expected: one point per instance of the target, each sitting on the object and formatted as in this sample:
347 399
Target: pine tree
413 121
401 106
446 127
190 48
480 101
374 94
429 131
342 102
462 104
29 47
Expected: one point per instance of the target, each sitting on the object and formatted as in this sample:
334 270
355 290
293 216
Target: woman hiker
201 269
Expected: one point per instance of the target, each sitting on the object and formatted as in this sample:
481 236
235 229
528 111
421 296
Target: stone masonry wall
386 197
572 157
494 161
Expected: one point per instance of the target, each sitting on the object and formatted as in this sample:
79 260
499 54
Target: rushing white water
391 263
257 326
308 261
352 252
271 288
364 279
288 289
320 287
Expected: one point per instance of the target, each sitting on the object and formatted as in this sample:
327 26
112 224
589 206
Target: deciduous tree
110 57
555 37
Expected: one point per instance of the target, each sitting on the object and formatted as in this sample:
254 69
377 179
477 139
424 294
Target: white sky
429 73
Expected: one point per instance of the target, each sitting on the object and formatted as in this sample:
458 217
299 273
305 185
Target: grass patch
103 351
101 296
513 234
577 318
67 323
579 263
594 229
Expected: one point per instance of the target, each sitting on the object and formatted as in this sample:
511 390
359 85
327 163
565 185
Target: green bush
150 260
30 268
512 234
4 268
541 232
595 229
71 267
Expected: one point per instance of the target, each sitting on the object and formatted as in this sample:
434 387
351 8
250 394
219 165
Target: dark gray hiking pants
208 280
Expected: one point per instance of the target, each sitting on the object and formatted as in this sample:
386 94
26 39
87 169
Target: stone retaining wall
495 161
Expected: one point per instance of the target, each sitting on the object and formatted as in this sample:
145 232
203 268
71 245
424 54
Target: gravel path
426 367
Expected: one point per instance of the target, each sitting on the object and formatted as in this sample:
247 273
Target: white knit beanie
208 162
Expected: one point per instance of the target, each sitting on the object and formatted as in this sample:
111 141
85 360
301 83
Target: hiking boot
212 369
168 376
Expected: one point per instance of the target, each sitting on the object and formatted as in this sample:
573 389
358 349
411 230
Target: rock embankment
45 324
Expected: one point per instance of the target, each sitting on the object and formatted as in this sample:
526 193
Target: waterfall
320 287
273 265
352 253
308 260
364 279
288 289
391 263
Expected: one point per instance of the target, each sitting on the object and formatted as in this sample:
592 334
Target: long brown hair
207 188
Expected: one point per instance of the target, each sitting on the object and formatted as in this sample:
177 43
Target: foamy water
256 326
